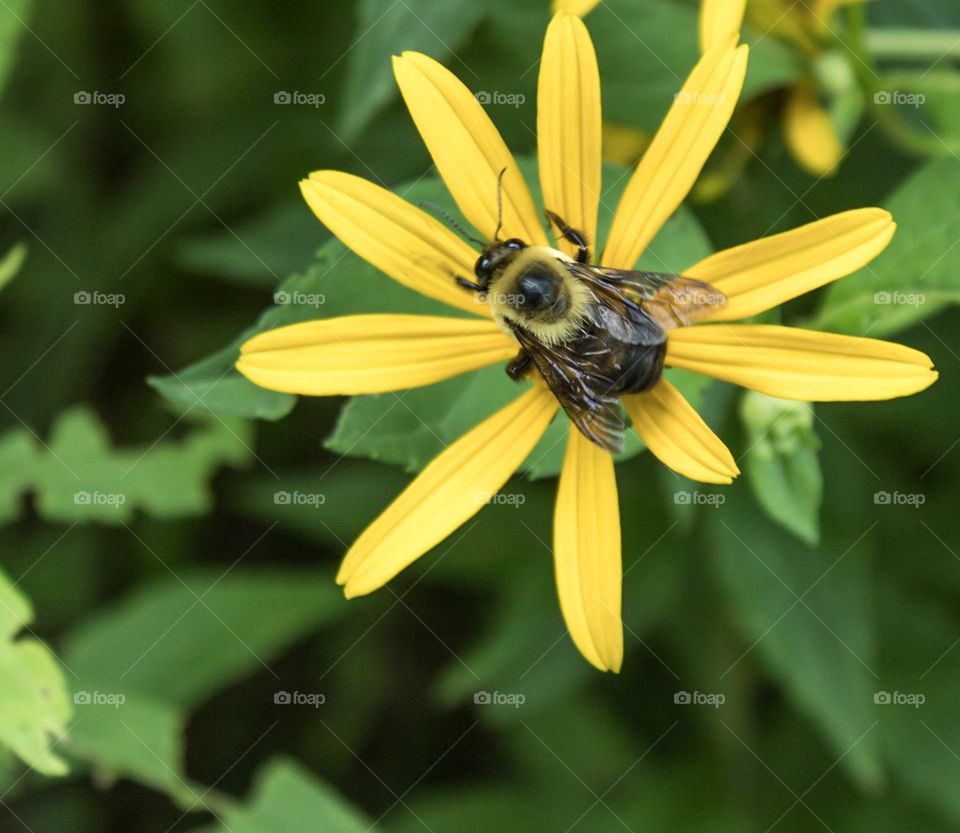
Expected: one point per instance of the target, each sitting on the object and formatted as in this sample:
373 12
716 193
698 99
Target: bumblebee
593 333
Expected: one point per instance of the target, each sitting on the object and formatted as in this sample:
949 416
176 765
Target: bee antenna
496 234
443 215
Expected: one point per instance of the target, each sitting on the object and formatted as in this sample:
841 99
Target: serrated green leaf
918 274
34 705
78 476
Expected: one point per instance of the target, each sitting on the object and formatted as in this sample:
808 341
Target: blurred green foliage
185 650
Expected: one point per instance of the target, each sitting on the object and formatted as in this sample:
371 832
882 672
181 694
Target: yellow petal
680 149
577 7
760 275
358 354
467 149
569 126
586 540
810 134
449 491
674 431
719 19
404 242
801 364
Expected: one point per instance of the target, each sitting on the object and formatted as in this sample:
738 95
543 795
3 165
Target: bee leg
519 367
473 287
578 238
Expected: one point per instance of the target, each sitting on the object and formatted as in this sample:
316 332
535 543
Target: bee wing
577 379
668 300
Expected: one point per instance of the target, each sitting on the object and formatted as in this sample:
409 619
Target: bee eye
484 263
514 243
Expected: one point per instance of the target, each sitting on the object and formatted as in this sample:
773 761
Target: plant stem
912 43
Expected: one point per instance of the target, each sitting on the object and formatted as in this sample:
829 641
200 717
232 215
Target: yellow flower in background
809 130
363 354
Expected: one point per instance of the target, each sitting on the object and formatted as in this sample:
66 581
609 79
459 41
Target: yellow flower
362 354
810 133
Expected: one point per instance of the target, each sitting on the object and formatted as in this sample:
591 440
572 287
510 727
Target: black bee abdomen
639 366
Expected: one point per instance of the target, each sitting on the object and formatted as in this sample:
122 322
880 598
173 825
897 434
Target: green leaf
915 699
127 735
34 705
11 263
220 627
387 27
19 454
289 799
213 385
918 274
782 464
78 476
258 253
13 25
806 613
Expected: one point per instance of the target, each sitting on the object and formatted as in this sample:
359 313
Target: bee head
533 288
495 258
